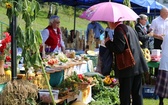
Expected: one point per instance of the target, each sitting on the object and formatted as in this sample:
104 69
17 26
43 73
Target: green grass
42 21
154 102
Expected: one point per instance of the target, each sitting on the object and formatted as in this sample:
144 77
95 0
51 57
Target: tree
131 23
69 10
56 9
50 10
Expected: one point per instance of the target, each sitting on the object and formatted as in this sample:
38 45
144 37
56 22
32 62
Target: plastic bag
106 57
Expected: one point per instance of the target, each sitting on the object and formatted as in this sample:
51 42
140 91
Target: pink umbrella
109 11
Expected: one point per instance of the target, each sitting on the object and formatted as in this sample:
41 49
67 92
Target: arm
154 27
141 35
158 36
101 28
45 35
62 43
118 44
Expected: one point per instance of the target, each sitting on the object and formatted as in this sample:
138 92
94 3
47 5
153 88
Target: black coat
142 35
118 46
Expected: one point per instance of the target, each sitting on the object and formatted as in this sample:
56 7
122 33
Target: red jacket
53 39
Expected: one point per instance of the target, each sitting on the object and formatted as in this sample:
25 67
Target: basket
83 86
4 79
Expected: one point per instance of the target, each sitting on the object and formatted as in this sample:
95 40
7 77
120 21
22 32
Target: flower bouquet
4 51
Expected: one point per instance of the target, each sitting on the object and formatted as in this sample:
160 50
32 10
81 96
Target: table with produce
71 80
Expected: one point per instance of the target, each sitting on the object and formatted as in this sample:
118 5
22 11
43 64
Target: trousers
131 90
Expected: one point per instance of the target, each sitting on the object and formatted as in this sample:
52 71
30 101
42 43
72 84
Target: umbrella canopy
109 11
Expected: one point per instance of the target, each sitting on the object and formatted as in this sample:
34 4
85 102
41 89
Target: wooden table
60 72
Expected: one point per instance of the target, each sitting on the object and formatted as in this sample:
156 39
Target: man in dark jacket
141 29
130 79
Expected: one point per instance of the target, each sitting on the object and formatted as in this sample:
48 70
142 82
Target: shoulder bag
125 59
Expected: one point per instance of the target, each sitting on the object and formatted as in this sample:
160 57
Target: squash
8 73
78 103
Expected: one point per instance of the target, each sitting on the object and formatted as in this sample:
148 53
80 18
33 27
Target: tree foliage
131 23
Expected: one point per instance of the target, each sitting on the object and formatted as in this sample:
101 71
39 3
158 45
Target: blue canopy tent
153 4
148 7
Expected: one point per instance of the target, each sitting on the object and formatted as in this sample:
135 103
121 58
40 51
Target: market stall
153 61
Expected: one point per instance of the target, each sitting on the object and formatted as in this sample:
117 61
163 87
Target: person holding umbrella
130 79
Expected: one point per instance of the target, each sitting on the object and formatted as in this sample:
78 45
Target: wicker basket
4 79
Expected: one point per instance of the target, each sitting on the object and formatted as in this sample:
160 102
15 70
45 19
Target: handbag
125 59
106 58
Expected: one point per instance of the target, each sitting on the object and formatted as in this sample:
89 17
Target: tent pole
12 29
13 47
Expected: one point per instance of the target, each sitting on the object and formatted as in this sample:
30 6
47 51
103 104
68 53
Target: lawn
42 21
154 102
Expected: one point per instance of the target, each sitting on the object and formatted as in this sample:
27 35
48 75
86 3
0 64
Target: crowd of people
130 79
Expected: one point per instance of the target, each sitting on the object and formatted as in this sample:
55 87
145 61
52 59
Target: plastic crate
148 91
44 95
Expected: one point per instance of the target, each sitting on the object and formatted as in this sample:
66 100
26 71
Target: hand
150 34
63 50
106 39
158 37
163 35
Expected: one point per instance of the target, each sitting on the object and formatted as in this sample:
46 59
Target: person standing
97 30
130 79
162 78
52 36
159 26
141 29
71 39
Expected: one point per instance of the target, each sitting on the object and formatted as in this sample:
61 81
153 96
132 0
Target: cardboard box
84 96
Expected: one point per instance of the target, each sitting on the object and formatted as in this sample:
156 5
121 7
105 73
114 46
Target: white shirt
45 35
159 26
164 56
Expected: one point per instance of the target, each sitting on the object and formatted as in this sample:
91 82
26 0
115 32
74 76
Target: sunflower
8 5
